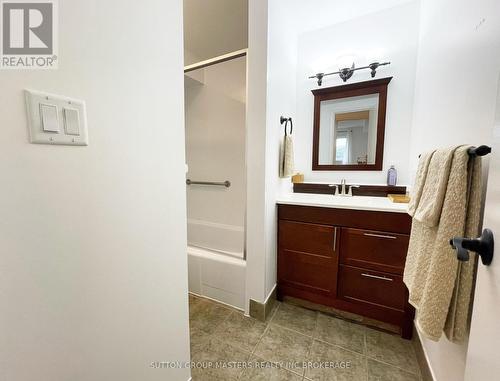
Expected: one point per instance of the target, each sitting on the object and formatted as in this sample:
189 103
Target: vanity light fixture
347 72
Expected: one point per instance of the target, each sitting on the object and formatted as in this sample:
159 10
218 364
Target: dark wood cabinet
312 248
351 260
374 250
371 288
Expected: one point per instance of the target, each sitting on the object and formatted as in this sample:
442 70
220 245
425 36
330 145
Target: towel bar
477 151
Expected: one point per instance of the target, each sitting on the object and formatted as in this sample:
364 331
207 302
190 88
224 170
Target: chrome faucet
350 189
342 187
345 189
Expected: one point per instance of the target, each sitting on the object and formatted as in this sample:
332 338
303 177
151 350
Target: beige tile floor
247 349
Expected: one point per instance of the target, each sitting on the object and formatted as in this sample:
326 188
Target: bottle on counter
392 176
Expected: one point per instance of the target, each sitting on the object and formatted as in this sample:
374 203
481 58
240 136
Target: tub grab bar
226 183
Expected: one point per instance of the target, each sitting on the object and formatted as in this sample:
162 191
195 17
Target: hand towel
439 285
431 200
420 177
286 157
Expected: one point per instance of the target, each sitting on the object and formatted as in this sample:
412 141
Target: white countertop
381 204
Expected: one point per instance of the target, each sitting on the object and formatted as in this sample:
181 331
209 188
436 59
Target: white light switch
50 122
56 119
71 121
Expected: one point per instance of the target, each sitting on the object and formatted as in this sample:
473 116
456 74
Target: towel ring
286 120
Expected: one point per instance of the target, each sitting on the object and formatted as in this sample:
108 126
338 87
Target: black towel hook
286 120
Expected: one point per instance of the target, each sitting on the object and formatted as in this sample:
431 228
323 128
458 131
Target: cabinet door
307 256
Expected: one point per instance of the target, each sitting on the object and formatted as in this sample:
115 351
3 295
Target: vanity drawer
371 287
308 238
374 250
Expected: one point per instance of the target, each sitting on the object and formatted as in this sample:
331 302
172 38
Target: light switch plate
70 117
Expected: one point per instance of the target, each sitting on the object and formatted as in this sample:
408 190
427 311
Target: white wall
458 68
317 14
256 232
92 239
215 143
392 35
272 87
482 352
281 101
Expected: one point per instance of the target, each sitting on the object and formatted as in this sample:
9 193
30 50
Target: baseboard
262 311
422 360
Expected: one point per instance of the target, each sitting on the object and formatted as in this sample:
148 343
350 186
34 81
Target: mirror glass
348 130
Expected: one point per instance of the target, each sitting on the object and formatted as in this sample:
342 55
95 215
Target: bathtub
218 238
216 265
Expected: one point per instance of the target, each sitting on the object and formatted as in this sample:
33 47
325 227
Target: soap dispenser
392 176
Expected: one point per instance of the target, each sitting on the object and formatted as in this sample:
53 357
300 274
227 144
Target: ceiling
214 27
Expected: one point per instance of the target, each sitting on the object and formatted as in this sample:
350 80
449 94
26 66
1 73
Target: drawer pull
380 235
335 239
377 277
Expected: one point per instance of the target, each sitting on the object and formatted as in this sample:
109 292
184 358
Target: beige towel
431 200
286 157
423 165
439 285
456 326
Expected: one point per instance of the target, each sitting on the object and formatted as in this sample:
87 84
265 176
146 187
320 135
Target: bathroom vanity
347 253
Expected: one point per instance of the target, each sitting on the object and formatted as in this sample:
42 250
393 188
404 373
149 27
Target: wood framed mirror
349 126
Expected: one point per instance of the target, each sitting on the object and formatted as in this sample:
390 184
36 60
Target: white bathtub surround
215 143
215 151
380 204
217 276
217 268
220 238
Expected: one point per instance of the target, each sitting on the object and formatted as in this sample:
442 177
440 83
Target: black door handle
483 245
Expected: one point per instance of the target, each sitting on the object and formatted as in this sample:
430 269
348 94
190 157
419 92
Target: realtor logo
28 34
